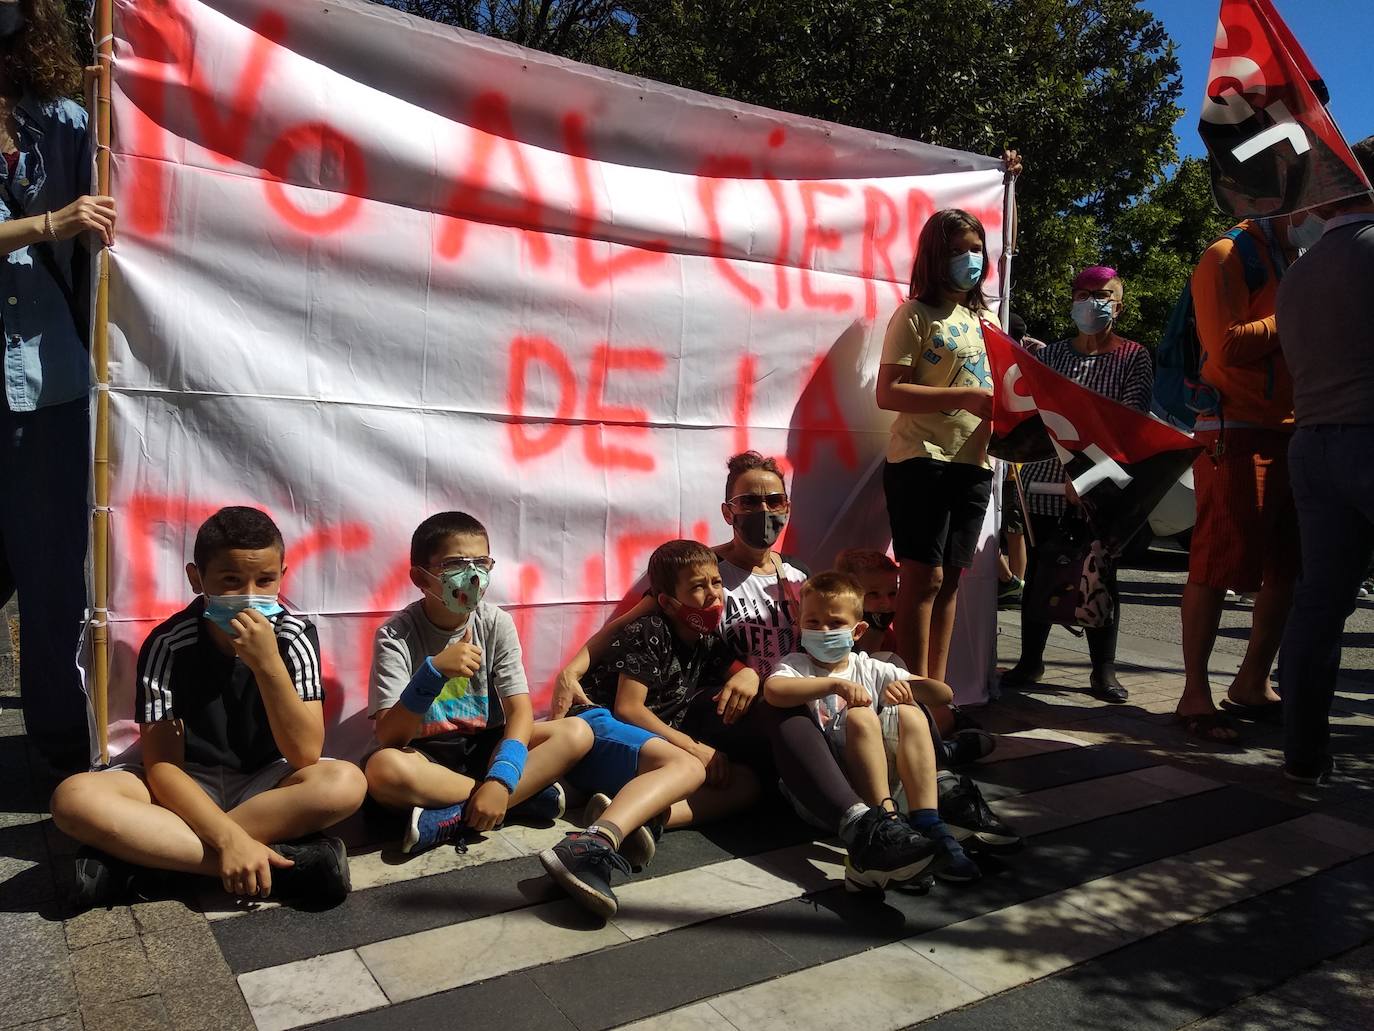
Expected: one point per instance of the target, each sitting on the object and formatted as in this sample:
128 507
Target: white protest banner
370 268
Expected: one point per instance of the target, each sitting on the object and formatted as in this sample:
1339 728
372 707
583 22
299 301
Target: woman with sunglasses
762 604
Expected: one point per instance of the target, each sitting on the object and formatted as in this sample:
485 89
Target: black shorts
936 510
745 741
468 754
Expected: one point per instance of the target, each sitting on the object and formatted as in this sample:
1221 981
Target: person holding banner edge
47 219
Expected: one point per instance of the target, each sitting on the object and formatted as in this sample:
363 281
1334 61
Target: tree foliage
1085 89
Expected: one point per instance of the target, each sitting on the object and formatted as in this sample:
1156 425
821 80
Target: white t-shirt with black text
762 611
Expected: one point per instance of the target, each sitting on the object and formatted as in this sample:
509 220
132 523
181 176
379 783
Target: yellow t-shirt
942 346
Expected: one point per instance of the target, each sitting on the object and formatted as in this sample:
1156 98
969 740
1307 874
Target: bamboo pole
100 351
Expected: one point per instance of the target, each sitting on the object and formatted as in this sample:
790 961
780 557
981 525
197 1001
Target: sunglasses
777 502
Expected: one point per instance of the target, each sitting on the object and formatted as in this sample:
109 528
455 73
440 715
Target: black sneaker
967 816
101 880
640 844
1318 777
962 720
966 747
885 852
1009 593
1023 674
321 872
582 865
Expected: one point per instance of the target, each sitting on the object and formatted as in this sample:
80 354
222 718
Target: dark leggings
787 740
1035 634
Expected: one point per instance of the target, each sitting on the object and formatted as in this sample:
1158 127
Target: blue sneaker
951 863
431 827
542 807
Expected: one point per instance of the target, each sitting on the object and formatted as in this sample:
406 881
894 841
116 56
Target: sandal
1270 713
1205 726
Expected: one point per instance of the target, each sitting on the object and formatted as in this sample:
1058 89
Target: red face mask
702 620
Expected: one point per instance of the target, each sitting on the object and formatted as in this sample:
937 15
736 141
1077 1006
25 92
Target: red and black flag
1121 462
1274 148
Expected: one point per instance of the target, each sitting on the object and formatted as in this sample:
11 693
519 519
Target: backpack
1180 392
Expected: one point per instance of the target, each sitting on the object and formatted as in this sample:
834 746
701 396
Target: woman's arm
93 213
568 689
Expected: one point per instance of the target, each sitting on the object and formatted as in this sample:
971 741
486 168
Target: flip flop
1270 713
1204 727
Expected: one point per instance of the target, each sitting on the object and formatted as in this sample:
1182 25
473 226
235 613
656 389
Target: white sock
849 819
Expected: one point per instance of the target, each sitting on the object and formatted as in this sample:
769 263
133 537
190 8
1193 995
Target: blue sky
1338 36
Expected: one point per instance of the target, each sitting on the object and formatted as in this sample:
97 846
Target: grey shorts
229 789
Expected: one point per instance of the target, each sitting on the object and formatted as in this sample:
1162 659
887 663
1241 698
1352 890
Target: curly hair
41 58
747 462
930 268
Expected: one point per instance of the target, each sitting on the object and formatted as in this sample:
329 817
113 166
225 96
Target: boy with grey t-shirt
457 745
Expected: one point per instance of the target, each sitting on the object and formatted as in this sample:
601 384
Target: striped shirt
182 675
1125 374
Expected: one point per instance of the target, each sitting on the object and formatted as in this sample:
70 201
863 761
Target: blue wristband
423 688
508 763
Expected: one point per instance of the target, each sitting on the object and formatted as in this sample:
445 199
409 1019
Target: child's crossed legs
113 810
406 777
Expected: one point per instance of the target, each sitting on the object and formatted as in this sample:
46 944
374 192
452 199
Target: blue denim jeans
1333 487
44 526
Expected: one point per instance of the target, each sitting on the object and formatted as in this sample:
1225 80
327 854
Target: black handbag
1069 583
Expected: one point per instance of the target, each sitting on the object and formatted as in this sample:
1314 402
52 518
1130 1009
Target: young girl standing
937 479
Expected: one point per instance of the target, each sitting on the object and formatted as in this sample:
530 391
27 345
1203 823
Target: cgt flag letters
1274 148
1121 462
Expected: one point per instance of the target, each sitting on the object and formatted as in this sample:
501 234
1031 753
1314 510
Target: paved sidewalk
1166 883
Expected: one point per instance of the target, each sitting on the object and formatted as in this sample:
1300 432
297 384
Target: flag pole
100 353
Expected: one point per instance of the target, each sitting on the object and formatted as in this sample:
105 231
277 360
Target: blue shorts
614 759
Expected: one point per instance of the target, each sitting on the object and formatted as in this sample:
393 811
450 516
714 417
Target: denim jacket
46 362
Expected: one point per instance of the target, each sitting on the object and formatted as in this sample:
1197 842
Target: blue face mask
221 608
1305 235
828 645
1093 315
966 270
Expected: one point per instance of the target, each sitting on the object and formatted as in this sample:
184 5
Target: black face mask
11 20
760 529
881 620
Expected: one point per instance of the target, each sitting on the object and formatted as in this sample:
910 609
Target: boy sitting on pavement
959 740
652 671
459 747
871 713
229 703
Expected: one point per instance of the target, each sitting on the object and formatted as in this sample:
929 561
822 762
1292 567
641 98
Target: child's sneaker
582 865
951 863
967 815
640 844
885 851
101 879
1009 592
965 747
321 872
541 807
429 828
